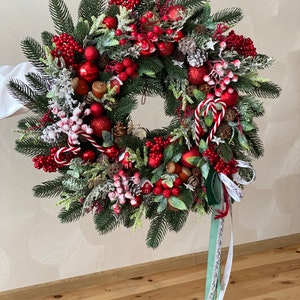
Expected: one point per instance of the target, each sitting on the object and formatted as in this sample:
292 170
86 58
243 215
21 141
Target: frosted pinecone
51 134
197 58
187 46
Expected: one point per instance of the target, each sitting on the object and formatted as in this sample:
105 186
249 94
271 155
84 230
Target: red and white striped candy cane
74 149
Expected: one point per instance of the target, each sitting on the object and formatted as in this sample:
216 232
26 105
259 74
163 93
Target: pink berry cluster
122 193
125 69
221 76
67 48
129 4
46 162
161 188
156 148
220 166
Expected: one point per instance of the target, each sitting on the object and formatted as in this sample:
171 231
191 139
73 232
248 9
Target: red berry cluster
46 162
125 69
243 46
160 188
227 168
66 47
156 148
129 4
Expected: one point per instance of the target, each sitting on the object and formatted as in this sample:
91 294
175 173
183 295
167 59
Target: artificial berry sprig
128 4
66 47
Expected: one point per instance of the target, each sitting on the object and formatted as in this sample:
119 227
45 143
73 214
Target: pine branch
230 16
176 220
31 147
33 51
106 221
249 107
47 38
38 83
225 152
256 147
72 214
61 17
190 3
266 90
157 231
174 71
171 104
81 31
30 123
126 219
89 8
125 107
49 189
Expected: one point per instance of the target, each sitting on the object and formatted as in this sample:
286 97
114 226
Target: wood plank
182 276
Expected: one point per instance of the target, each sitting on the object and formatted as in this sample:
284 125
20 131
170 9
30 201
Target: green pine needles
90 76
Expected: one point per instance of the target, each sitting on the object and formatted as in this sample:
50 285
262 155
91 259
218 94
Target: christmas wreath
90 77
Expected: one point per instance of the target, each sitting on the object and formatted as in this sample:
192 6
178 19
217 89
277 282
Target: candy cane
74 149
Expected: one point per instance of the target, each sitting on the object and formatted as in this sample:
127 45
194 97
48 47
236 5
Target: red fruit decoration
88 72
230 97
97 109
99 88
165 48
112 151
88 156
110 22
154 161
175 12
91 53
115 83
187 157
100 124
196 75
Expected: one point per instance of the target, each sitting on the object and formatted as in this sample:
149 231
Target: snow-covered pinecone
197 58
134 189
187 45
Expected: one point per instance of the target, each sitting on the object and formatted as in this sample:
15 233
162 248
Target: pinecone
224 131
113 169
178 55
190 90
134 189
187 45
194 181
102 61
200 29
197 58
120 129
204 88
89 98
230 115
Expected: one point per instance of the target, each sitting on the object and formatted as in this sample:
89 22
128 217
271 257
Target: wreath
91 76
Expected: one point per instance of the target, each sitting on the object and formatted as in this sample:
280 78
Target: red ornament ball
97 109
230 97
196 75
88 156
100 124
187 157
165 48
115 83
88 71
80 86
175 12
110 22
154 162
91 53
112 151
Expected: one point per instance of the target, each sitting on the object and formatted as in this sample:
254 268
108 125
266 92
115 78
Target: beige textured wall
36 248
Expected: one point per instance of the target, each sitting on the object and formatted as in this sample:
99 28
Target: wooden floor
265 275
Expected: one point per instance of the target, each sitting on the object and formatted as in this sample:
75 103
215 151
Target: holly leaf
194 160
208 119
157 173
202 146
177 203
205 170
162 205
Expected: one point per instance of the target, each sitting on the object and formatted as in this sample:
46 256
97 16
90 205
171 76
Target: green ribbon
213 274
213 188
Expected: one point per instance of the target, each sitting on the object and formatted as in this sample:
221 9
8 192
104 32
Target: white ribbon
233 190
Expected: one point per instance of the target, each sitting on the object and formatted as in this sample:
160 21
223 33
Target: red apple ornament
188 156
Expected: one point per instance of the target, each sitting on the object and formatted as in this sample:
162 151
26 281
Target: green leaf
213 187
243 140
168 153
200 96
177 203
162 205
202 146
208 119
205 170
247 126
157 173
194 160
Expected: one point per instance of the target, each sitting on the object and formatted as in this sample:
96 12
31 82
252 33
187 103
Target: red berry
157 190
127 62
165 48
174 13
175 191
119 32
123 76
177 182
130 71
167 193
